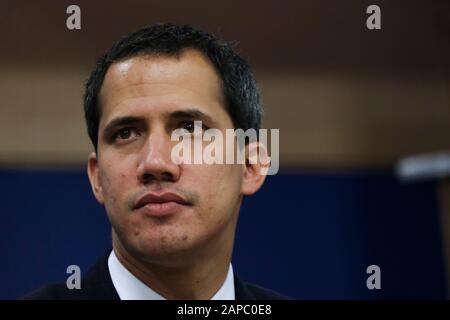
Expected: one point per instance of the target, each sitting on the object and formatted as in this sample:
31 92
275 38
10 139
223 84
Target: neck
198 279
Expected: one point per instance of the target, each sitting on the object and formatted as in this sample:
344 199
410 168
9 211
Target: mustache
190 196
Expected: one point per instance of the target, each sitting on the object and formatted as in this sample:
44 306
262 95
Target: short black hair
242 98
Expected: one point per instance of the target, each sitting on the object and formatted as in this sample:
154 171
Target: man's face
143 99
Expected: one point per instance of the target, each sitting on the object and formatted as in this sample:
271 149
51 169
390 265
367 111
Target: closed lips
159 198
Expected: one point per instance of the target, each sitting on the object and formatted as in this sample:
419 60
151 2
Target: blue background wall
305 234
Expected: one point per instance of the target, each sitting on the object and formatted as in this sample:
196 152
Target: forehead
161 84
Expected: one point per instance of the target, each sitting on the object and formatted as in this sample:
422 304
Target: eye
125 133
190 126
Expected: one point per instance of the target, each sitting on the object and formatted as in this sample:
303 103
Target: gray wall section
340 94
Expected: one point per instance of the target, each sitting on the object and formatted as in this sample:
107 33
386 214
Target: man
173 225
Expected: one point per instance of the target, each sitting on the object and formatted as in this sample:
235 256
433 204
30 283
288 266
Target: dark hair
240 91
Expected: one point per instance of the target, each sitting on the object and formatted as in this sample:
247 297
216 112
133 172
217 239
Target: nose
155 162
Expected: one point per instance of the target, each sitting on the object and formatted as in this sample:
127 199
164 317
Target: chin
164 248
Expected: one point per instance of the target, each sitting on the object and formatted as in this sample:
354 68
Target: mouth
161 204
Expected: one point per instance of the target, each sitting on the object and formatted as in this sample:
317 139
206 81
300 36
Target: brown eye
124 133
189 126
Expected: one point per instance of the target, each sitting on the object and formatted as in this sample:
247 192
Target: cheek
114 180
217 184
222 196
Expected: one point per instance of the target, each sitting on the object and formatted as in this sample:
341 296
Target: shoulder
49 292
262 293
250 291
95 285
61 292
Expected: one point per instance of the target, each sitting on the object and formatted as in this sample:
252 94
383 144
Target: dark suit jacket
97 285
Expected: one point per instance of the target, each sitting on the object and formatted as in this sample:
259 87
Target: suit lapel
241 290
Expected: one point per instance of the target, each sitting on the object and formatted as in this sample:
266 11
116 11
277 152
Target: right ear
93 174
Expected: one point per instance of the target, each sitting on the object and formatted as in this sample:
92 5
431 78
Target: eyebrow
191 114
133 120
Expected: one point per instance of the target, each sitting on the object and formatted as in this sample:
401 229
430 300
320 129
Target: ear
257 163
93 174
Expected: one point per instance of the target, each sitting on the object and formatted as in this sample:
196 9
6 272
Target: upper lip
159 198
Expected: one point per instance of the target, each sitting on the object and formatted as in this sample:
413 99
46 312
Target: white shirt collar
129 287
